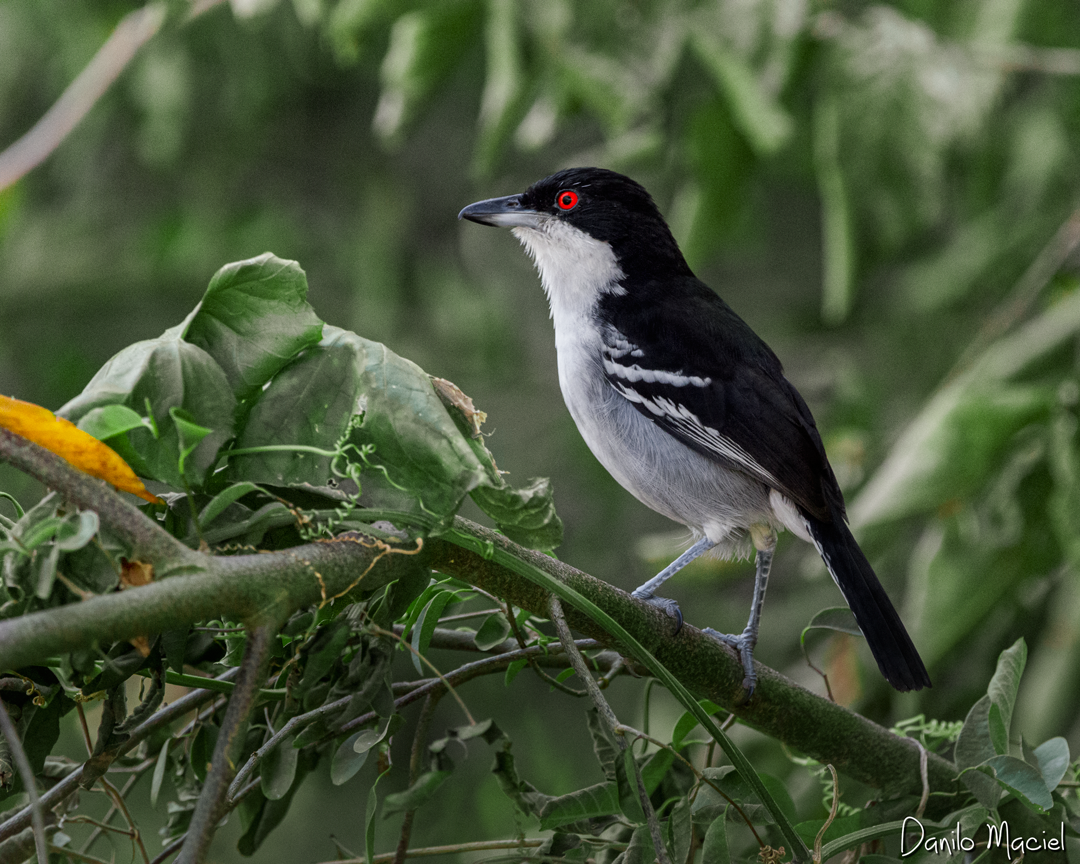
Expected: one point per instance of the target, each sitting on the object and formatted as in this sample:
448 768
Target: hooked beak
507 212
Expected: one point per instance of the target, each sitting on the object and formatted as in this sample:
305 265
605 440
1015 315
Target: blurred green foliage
883 191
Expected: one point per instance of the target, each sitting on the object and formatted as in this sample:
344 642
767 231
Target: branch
255 587
134 30
211 804
780 708
608 718
148 541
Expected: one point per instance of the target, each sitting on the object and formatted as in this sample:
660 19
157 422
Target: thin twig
134 30
555 613
423 725
7 729
431 851
701 778
543 676
118 801
462 674
104 825
431 666
70 784
208 809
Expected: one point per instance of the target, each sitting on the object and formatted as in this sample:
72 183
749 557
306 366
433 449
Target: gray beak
507 212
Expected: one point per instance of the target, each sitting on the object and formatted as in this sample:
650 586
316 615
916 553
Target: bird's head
586 225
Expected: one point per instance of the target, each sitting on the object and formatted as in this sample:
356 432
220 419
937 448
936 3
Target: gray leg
745 642
647 591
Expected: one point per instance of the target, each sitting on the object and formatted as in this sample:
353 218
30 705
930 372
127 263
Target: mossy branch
260 588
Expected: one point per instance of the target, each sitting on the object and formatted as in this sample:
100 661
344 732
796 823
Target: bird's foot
744 645
664 604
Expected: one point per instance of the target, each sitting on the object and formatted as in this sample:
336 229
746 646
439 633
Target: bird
684 404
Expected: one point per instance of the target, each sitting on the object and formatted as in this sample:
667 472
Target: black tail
896 656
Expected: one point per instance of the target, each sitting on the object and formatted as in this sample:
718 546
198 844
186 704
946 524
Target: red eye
567 199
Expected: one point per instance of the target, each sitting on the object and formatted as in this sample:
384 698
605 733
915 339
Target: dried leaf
135 574
67 441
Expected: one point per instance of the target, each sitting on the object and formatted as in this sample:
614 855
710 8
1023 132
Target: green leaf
838 618
159 772
966 426
76 532
40 532
174 644
513 669
838 242
1002 692
347 761
220 502
425 45
270 814
1053 756
202 749
640 849
253 319
279 770
369 817
680 829
714 849
974 745
607 752
323 652
1024 781
502 101
588 803
353 752
492 632
418 794
425 626
155 377
688 722
111 420
190 432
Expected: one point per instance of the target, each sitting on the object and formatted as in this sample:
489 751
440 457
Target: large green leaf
152 378
253 319
418 456
309 403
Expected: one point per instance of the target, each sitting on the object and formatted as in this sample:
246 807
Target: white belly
652 465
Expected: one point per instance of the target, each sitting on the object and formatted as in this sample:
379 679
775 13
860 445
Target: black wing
692 366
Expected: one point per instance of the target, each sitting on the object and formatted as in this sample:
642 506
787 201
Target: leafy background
884 192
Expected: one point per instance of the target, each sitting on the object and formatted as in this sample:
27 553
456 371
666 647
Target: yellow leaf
70 443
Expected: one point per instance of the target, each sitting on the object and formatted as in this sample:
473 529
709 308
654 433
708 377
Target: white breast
575 270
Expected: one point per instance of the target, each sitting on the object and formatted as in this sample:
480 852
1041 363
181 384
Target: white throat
575 269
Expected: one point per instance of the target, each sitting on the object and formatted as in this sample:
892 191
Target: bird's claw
744 645
665 605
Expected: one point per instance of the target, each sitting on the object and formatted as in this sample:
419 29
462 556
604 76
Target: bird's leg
765 542
647 591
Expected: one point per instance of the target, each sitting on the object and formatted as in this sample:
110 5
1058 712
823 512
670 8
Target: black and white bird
683 403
